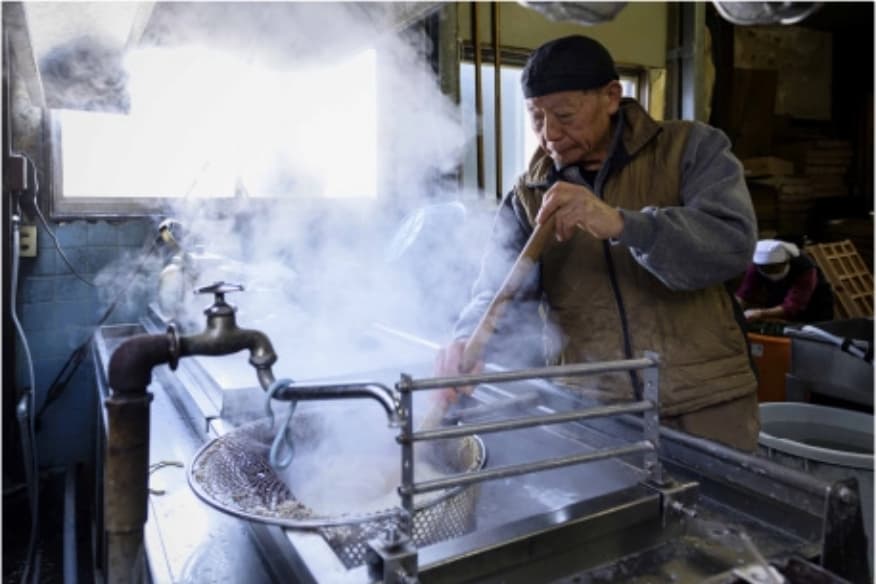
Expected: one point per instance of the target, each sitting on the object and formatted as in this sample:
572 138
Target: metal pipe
497 81
126 465
385 396
479 96
490 409
126 475
651 420
529 421
224 338
519 469
534 373
762 466
70 572
407 461
265 377
130 367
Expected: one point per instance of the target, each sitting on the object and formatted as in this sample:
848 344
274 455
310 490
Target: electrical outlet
27 243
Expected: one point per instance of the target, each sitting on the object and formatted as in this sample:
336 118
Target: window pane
517 139
630 85
202 125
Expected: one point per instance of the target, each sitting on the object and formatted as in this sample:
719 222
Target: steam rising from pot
298 164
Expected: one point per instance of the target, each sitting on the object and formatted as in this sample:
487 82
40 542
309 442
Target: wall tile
38 316
103 233
77 312
46 370
44 241
59 312
102 256
67 424
75 335
47 345
74 234
135 232
36 289
44 264
79 259
72 288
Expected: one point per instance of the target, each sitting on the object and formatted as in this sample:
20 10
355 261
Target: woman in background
784 284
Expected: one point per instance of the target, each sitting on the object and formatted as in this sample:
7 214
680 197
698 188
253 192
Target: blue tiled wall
58 312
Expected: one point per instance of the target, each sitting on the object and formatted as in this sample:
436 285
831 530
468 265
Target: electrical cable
71 365
48 229
26 409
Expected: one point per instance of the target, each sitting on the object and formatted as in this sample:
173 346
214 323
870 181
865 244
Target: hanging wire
26 417
71 365
48 229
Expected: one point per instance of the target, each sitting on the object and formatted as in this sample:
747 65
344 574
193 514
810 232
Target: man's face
574 127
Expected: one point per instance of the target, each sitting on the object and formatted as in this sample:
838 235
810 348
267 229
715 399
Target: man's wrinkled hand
576 207
448 363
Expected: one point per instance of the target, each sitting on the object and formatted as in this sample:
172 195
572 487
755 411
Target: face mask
776 277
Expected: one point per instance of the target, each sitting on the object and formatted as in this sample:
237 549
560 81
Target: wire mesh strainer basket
232 473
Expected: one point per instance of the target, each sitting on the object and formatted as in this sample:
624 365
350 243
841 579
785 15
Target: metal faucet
222 336
385 396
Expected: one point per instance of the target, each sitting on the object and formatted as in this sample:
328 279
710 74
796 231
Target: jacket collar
636 130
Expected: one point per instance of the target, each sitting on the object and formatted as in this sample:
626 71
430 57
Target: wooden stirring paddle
474 347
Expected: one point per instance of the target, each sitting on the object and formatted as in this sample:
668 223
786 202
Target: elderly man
651 219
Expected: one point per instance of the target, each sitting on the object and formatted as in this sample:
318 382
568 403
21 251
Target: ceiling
71 52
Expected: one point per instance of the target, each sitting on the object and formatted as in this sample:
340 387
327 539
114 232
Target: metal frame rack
393 557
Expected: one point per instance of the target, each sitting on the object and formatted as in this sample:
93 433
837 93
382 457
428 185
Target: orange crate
772 358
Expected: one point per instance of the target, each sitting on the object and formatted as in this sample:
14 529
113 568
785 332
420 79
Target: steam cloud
237 91
318 270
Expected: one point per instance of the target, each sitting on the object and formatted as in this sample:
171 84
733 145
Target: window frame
516 56
62 208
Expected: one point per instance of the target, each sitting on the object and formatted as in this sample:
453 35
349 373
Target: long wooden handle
524 263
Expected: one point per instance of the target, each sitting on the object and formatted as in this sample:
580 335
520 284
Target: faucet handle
219 289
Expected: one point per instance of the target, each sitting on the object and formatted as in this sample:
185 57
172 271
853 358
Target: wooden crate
849 276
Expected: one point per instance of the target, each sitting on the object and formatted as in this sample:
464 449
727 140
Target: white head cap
774 251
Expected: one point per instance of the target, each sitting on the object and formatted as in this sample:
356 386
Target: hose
284 433
25 410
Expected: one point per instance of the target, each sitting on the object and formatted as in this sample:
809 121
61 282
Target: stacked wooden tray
849 276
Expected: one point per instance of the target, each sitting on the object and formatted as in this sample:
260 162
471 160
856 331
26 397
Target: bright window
204 124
